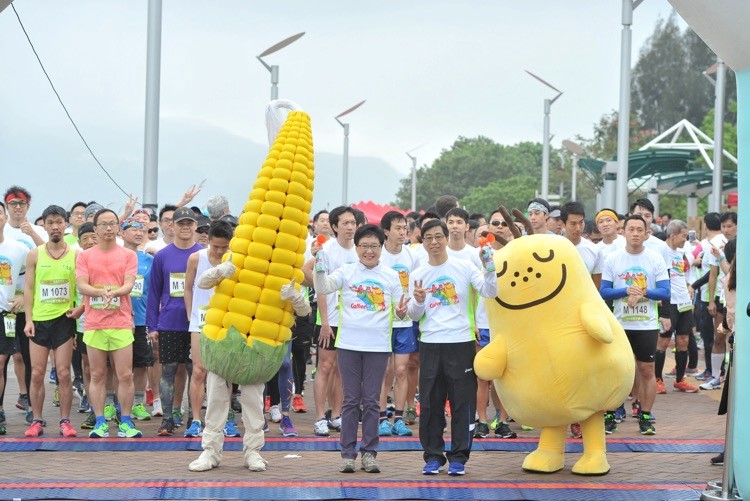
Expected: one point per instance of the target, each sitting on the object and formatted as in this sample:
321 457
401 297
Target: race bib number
202 316
641 311
137 287
54 291
176 285
683 307
10 325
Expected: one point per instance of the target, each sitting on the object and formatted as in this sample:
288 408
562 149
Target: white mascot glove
212 276
299 301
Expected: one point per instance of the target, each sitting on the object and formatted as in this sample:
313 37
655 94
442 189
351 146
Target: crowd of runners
106 306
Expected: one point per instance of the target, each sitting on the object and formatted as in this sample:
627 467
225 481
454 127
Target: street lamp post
413 177
719 83
274 69
623 126
345 187
545 144
576 150
151 128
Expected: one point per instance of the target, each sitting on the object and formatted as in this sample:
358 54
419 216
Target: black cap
229 219
183 213
85 228
203 222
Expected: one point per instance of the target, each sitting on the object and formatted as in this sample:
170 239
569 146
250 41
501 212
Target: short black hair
635 217
369 230
712 220
359 217
569 208
667 215
427 215
335 214
221 229
389 217
152 217
413 215
729 215
643 203
317 215
476 216
433 223
3 206
444 204
54 210
78 204
457 212
17 189
166 208
473 224
104 211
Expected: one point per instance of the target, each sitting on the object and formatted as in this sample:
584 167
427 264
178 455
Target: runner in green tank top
49 299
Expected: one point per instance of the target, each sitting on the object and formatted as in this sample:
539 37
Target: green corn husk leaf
235 361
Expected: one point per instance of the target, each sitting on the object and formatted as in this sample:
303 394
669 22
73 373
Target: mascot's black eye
544 259
503 270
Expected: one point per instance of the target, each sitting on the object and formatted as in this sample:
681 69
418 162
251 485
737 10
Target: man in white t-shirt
441 292
338 252
167 230
679 308
12 263
404 341
573 216
606 221
636 279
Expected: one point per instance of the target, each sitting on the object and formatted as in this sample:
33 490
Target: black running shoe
504 431
645 425
718 460
482 430
166 429
610 425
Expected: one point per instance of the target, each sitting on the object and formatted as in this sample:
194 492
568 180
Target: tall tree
667 81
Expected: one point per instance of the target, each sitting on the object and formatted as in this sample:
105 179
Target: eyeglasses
18 203
153 230
78 213
367 247
166 220
436 238
112 224
495 222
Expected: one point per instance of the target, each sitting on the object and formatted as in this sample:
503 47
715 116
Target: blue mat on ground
331 444
437 489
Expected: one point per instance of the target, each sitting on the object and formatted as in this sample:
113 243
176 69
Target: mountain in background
59 169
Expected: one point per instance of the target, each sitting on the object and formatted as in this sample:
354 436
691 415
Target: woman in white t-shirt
369 295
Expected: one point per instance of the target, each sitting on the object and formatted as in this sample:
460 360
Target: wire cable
63 104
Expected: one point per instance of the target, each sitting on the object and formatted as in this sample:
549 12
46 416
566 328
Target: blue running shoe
620 414
455 469
231 430
195 430
385 429
431 468
400 429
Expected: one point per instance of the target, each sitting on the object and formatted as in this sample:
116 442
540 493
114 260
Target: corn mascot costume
557 355
251 312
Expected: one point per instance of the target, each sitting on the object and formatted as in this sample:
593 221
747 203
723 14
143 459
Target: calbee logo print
370 294
443 291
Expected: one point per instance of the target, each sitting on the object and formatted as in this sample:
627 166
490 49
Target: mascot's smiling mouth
537 301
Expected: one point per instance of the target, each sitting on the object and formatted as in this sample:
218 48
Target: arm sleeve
484 283
608 292
701 281
155 286
661 292
325 284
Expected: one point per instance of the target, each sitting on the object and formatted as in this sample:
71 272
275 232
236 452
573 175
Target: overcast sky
430 71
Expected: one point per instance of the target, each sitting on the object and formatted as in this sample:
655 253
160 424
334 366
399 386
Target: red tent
375 212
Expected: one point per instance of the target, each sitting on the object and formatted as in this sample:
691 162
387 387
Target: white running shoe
275 413
158 411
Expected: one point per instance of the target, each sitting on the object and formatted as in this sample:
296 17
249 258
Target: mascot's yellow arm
596 324
491 360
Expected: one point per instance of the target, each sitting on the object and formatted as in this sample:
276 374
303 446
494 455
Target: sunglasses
498 223
203 229
153 230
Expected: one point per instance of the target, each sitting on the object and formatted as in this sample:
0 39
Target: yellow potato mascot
557 355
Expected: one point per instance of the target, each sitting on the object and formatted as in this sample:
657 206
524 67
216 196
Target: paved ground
687 420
